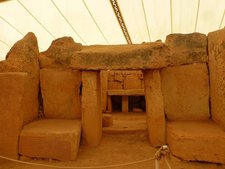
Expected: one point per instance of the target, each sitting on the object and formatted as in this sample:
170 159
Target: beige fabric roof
94 21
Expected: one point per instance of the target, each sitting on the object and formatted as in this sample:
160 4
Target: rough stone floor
131 122
116 149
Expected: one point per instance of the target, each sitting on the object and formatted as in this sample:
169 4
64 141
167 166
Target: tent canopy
95 22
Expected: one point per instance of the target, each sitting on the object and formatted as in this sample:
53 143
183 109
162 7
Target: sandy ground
116 149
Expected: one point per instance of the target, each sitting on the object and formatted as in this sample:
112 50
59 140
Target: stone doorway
125 101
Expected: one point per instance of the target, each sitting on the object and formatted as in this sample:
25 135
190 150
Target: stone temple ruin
51 99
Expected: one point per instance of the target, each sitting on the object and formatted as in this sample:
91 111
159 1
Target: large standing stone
60 53
154 108
104 87
61 93
216 47
187 48
12 86
91 108
23 57
186 92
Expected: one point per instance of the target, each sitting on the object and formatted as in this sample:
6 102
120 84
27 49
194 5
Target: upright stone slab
133 81
23 57
216 48
59 54
91 108
104 87
186 92
12 92
154 108
61 93
187 48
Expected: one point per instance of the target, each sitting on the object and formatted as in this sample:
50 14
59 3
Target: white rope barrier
162 152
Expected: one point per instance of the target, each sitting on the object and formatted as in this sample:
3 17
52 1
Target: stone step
51 138
125 123
196 141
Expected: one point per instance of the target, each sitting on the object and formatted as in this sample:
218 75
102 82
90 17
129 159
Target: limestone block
115 85
216 47
132 81
196 141
60 53
187 48
51 138
61 93
186 92
91 108
121 57
23 57
111 76
154 108
107 120
118 76
12 86
125 104
104 87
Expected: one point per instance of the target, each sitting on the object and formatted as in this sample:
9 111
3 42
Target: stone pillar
216 50
91 108
125 104
154 107
104 88
12 86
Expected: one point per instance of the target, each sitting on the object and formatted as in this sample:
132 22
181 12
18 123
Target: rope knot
162 152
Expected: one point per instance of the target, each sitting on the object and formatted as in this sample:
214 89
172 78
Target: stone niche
124 81
182 79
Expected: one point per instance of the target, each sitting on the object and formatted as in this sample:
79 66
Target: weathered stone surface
61 93
216 47
196 141
23 57
186 92
187 48
60 53
107 120
142 56
104 87
154 108
12 86
132 81
91 108
125 79
115 85
51 138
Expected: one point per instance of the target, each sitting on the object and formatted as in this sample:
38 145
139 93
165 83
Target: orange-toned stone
186 92
104 87
51 138
125 104
187 48
115 85
23 57
91 108
61 93
107 120
60 53
132 81
196 141
216 48
12 86
154 108
141 56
